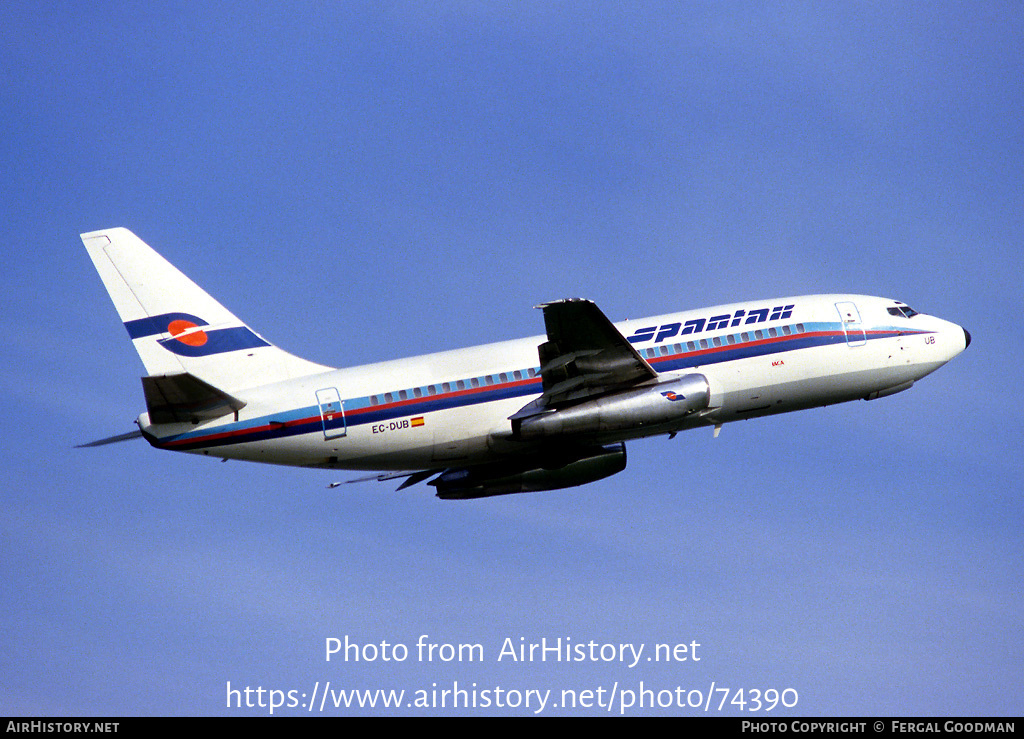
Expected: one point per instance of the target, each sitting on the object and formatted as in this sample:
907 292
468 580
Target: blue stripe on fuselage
360 411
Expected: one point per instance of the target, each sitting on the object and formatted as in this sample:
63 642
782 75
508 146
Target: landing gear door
852 325
332 414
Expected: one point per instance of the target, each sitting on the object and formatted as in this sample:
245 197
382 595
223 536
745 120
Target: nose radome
967 338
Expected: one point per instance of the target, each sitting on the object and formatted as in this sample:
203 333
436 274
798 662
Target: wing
413 478
585 356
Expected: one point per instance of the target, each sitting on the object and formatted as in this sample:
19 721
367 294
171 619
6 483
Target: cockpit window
903 310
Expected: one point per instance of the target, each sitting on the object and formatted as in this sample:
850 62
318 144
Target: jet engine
553 472
626 411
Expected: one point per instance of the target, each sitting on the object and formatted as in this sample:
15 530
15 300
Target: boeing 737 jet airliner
543 413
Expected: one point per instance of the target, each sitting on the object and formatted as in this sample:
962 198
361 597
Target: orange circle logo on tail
184 331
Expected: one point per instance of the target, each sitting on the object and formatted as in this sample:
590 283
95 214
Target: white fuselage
436 410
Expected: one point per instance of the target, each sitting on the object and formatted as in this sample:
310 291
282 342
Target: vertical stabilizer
177 327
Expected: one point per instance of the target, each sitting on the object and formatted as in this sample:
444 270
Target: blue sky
360 185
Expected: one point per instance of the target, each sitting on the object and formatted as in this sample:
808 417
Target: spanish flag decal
418 421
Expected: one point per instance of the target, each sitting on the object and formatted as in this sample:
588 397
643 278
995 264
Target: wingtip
563 300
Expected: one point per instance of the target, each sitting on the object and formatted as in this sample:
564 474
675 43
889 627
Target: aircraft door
852 325
332 413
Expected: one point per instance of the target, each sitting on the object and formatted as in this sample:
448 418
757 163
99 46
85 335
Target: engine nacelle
555 473
655 405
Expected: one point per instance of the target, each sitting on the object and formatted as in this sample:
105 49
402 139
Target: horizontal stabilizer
184 398
136 434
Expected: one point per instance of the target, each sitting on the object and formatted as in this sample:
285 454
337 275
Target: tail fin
177 327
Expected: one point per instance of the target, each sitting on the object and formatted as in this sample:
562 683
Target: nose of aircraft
967 338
